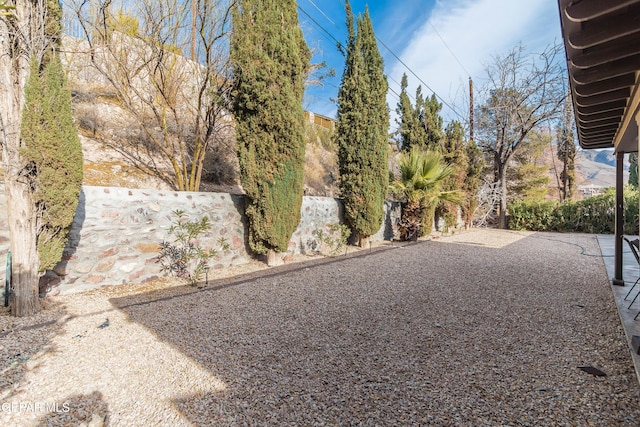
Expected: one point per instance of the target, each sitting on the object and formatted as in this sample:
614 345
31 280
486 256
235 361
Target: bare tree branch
179 105
523 93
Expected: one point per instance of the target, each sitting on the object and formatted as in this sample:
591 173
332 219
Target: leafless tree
488 197
522 93
178 105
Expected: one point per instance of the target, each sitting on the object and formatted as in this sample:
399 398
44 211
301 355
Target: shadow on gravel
81 410
22 340
221 284
432 333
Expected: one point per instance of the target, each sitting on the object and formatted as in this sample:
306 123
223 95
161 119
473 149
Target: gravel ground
482 328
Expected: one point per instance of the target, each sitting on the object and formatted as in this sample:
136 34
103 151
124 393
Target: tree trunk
502 185
17 45
364 241
25 261
274 258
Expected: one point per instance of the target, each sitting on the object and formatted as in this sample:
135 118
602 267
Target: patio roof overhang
602 45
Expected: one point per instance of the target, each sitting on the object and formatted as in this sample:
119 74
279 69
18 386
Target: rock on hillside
116 154
598 168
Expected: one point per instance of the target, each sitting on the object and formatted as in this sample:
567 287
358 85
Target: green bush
631 203
592 215
330 241
535 215
183 256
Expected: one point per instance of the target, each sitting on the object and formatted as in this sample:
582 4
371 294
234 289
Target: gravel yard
481 328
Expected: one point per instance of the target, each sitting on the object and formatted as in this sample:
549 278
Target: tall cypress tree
53 150
567 152
406 113
475 166
270 61
361 130
454 154
431 121
411 130
51 146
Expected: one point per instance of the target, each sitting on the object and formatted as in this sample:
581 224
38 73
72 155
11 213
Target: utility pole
470 109
194 10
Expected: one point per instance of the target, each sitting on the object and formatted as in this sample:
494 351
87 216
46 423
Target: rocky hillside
105 129
116 152
115 155
598 167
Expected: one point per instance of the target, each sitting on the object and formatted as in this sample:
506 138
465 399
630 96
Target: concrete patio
630 272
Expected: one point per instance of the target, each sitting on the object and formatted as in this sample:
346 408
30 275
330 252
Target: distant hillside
598 168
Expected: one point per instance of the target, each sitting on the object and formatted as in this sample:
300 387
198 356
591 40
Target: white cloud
474 30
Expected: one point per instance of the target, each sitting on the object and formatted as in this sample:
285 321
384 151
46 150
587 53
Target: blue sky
444 42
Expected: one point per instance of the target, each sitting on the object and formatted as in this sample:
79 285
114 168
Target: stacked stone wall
116 233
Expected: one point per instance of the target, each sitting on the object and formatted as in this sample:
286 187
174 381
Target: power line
421 81
322 12
449 49
338 44
392 53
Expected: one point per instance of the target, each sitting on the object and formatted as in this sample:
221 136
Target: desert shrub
330 241
183 256
318 135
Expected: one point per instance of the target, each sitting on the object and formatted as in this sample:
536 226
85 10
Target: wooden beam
598 134
603 98
599 116
607 52
615 105
604 30
604 85
612 122
606 71
586 10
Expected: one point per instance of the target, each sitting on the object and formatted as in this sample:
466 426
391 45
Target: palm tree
422 175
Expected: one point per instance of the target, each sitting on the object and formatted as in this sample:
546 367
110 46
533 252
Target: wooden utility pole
194 11
470 109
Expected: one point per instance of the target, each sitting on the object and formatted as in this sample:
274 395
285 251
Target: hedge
591 215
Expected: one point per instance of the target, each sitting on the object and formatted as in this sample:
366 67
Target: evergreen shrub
53 157
591 215
270 60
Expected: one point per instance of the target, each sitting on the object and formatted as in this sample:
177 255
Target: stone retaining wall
116 232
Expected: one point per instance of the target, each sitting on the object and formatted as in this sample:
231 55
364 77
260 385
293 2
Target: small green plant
335 239
184 257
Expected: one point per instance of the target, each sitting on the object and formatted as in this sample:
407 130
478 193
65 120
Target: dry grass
320 171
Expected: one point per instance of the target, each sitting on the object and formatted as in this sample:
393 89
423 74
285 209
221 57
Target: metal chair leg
630 290
634 300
